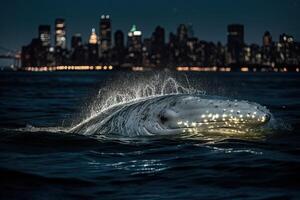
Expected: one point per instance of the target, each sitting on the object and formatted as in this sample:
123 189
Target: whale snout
194 112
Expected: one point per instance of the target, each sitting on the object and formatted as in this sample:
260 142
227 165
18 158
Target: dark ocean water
37 163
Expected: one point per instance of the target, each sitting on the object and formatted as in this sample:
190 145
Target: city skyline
181 51
209 18
85 36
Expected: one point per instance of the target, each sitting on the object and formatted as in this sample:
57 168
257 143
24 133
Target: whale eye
166 115
163 118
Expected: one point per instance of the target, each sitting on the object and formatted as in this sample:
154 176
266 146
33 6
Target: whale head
188 113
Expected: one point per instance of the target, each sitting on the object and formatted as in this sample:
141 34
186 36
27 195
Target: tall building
119 51
284 49
119 39
45 35
93 37
284 38
191 32
267 39
182 33
235 43
60 33
93 48
105 35
158 36
76 41
266 50
158 46
78 55
134 43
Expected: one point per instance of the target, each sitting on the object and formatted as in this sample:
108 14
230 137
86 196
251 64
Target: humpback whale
175 114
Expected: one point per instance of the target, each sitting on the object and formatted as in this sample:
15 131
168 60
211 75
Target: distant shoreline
142 69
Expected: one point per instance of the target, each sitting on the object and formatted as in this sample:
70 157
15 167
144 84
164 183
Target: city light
68 68
93 38
244 69
181 52
137 69
203 69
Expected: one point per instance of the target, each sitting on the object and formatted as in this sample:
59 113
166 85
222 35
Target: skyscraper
78 52
284 38
235 42
119 39
134 43
93 48
267 39
119 51
76 41
266 49
284 48
45 35
134 39
93 37
190 29
158 36
158 46
105 35
60 33
182 33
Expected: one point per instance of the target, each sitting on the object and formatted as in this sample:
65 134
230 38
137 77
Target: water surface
38 162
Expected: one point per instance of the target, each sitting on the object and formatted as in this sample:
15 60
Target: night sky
19 19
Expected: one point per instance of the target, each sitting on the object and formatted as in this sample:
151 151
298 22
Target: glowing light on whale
176 113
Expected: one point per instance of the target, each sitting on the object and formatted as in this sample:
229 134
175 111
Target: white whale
175 114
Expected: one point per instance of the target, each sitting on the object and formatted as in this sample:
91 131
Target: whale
175 114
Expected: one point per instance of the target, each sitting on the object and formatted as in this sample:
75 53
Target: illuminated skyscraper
93 48
284 49
105 35
45 35
134 43
284 38
93 37
266 50
134 39
235 42
60 33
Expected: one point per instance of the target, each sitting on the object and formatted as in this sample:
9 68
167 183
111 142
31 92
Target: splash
135 89
30 128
